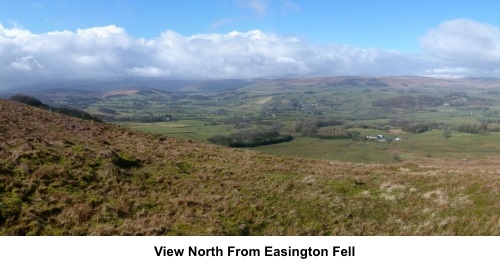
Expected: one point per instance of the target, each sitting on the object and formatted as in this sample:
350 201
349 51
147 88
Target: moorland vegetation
61 175
304 166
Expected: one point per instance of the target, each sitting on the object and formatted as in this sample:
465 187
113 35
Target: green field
184 129
422 146
61 175
366 105
461 146
340 150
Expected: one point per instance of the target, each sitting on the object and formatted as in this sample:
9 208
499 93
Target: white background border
140 250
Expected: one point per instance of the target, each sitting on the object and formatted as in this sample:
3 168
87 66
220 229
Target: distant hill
407 82
66 176
87 91
105 85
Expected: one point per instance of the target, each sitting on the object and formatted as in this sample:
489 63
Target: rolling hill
65 176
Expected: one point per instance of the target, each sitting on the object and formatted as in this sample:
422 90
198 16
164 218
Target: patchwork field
65 176
339 156
455 119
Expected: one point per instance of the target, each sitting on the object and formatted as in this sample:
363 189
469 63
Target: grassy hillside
65 176
436 118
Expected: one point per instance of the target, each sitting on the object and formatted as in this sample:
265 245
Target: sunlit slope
65 176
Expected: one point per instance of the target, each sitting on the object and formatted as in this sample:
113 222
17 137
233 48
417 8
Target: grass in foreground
64 176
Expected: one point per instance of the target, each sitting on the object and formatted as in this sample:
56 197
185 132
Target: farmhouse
382 138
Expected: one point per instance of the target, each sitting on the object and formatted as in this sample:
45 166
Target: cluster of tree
337 133
326 129
409 102
365 126
422 126
309 127
473 129
75 113
417 128
462 99
32 101
250 138
446 133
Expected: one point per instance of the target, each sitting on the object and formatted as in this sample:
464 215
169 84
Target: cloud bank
459 47
465 46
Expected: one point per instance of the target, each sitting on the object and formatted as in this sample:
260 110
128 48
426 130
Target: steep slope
65 176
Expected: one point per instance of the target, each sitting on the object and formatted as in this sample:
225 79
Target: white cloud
289 5
465 44
149 72
27 63
448 70
260 7
460 47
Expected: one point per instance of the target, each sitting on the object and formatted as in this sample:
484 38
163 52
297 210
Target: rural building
382 138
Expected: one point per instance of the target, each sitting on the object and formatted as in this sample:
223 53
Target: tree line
415 126
310 127
250 138
409 102
325 129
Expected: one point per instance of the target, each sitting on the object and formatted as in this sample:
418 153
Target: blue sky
248 38
388 24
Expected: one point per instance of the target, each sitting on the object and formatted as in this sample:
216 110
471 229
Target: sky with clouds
47 40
